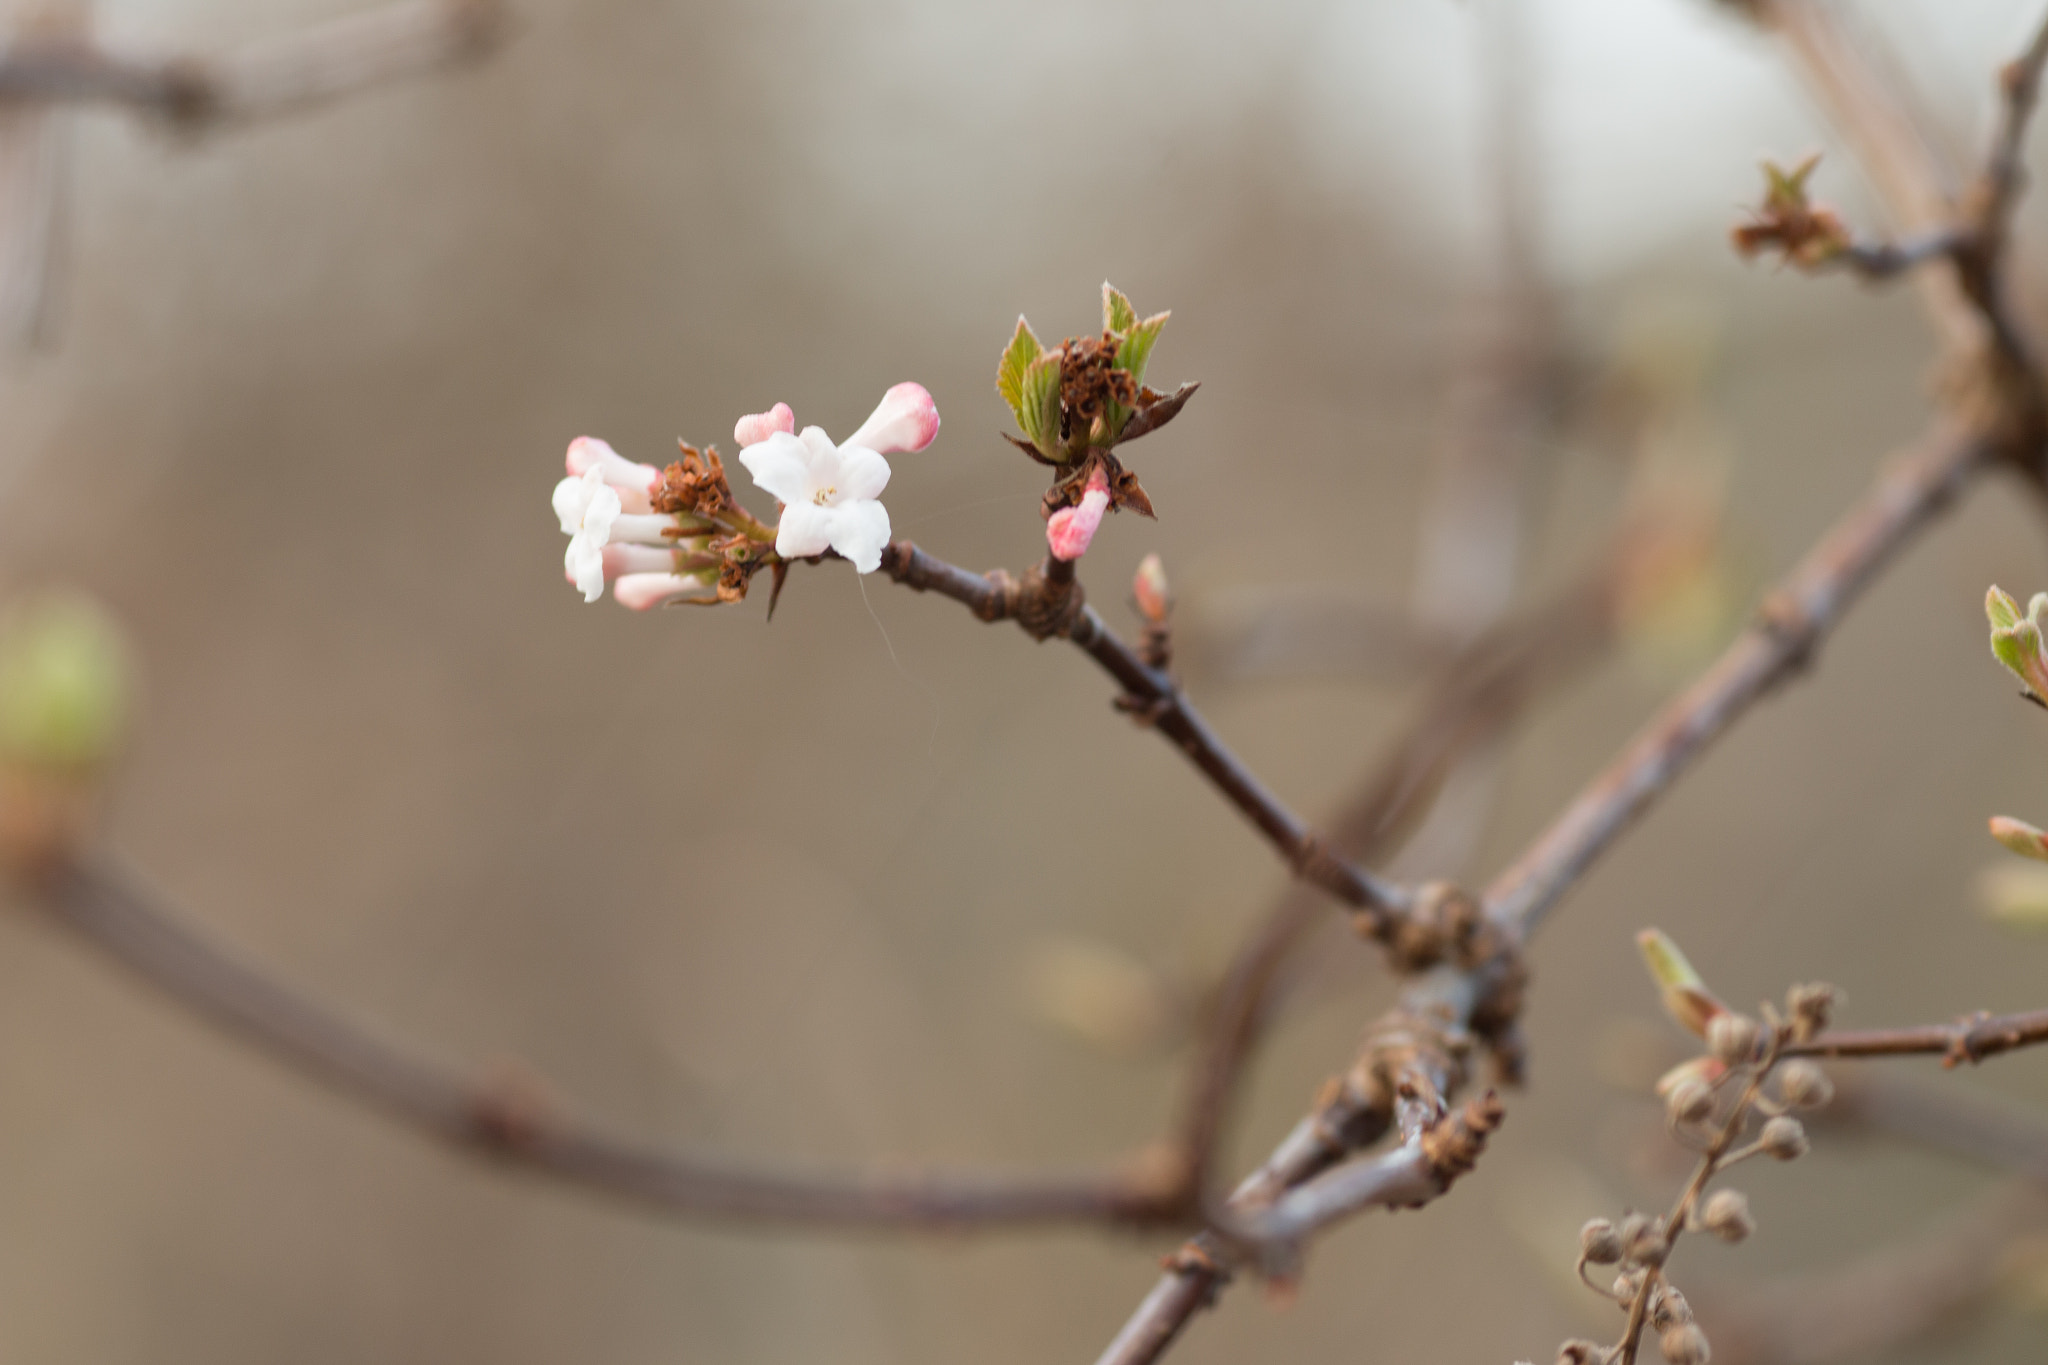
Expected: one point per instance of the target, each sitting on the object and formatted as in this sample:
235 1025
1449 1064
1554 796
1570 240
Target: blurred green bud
65 683
2021 837
1686 997
2015 894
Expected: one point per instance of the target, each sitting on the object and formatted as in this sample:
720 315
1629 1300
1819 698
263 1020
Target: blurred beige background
769 891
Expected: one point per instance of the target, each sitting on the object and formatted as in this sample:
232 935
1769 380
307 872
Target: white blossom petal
780 466
863 474
859 531
584 564
806 530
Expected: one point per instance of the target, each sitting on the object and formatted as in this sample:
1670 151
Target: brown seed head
1690 1101
1726 1215
1599 1243
1732 1038
1784 1137
1685 1344
1669 1308
1804 1084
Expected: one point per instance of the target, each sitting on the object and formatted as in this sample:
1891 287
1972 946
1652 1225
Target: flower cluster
606 509
830 494
676 534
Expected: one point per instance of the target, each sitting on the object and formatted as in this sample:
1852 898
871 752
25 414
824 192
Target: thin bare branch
1966 1040
1046 603
261 79
512 1121
1477 696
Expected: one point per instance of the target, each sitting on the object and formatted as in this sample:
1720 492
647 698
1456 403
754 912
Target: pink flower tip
641 591
1070 530
635 481
906 420
757 427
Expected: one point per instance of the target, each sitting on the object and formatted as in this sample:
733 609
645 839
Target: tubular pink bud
643 590
1149 586
633 480
1070 529
906 420
757 427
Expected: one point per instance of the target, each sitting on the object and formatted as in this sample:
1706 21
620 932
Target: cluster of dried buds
1731 1103
678 534
1805 234
1075 403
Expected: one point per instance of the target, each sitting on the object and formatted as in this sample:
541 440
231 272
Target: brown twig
1807 604
1048 602
259 80
512 1120
1966 1040
1478 694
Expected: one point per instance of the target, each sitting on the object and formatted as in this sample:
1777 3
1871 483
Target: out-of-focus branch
1795 616
1908 173
1048 602
1487 686
261 79
512 1121
1808 603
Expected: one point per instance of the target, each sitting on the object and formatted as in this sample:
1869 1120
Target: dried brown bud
1784 1138
1628 1284
1805 1085
1669 1308
1579 1351
1732 1038
1726 1215
1691 1100
1685 1344
1648 1247
1599 1243
1811 1005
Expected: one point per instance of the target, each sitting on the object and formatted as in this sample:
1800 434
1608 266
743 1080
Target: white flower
606 511
829 493
587 507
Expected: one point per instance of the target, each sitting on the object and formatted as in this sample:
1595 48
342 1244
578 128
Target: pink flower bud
643 590
905 420
757 427
1070 529
634 481
1149 586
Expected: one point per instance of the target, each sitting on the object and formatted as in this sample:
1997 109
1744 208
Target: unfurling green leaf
2001 608
1017 358
1117 314
1038 404
1136 348
1686 997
